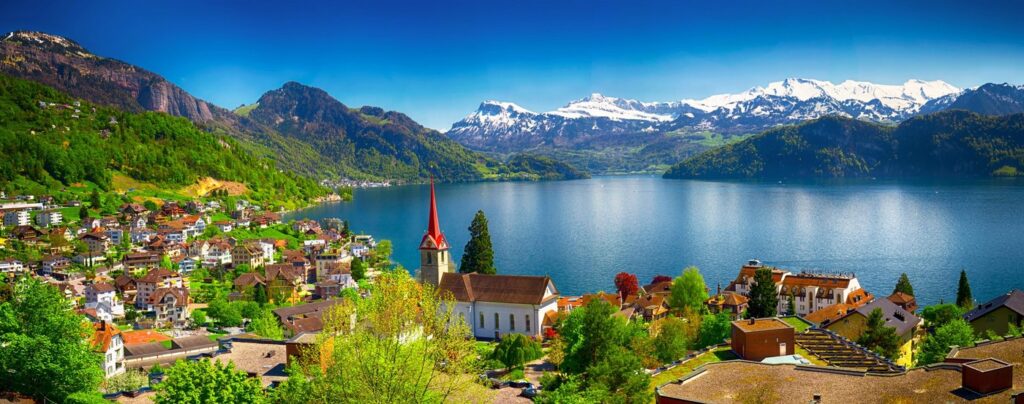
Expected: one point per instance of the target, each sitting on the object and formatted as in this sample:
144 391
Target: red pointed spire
434 239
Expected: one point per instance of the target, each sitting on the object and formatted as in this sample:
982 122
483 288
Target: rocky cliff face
65 65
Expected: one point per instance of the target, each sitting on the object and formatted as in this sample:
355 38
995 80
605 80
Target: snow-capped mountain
502 126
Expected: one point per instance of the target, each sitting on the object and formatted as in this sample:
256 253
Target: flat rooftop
985 365
761 324
1011 351
743 381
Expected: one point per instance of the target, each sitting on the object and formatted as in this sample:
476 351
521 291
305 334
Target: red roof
434 239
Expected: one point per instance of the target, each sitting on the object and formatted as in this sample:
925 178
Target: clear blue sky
437 60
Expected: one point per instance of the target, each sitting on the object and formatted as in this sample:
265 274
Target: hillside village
164 283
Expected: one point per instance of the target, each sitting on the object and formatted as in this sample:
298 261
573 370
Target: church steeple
434 239
434 258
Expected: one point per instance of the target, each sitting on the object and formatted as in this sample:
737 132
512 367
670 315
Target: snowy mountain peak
492 107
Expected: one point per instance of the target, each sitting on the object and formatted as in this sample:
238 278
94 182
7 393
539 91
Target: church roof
514 289
434 239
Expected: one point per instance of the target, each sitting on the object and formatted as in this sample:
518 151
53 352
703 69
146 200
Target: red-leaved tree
626 284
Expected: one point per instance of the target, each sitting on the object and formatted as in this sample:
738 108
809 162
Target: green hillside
944 144
49 142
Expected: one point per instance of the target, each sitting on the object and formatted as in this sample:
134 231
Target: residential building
729 302
142 235
96 242
756 339
247 254
107 340
651 306
907 302
284 283
225 226
245 283
102 297
170 306
53 264
11 265
141 260
267 246
49 218
810 291
157 278
997 314
306 317
854 324
17 218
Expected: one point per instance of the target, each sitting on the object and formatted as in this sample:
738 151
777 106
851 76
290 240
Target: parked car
520 384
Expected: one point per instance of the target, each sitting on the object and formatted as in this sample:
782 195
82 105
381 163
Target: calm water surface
582 233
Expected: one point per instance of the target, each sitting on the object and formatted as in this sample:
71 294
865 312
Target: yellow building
854 323
997 314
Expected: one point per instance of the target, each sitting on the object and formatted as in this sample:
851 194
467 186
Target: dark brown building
756 339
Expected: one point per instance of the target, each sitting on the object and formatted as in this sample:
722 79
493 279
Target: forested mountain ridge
944 144
50 140
337 141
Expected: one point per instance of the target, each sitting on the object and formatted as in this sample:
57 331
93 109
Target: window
482 320
511 321
497 322
527 322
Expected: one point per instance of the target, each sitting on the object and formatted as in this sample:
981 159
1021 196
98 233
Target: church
492 305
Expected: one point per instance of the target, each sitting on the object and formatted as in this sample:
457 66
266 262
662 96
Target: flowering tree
626 284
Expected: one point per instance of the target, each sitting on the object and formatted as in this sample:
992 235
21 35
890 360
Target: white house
141 235
267 246
11 265
103 298
170 306
810 291
496 305
107 340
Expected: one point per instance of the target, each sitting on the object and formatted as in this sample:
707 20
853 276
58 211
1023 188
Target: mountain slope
945 144
372 140
988 99
612 130
50 140
304 130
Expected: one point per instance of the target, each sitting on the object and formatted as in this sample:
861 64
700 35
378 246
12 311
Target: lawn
797 323
717 355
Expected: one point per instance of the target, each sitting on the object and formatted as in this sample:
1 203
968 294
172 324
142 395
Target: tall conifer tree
963 292
479 255
764 301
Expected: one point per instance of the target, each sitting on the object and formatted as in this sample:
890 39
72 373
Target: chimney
752 321
816 399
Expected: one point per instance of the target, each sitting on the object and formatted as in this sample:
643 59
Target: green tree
764 301
671 340
479 255
514 350
150 205
595 335
44 352
259 294
936 346
380 256
791 305
619 377
165 262
880 338
903 285
963 292
205 381
358 269
688 292
404 348
83 212
265 325
198 317
94 200
941 314
714 329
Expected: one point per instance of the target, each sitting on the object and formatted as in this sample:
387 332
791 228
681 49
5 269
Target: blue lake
581 233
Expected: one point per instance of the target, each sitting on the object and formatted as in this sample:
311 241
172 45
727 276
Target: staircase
840 352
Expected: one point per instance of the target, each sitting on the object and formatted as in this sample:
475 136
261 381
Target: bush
515 350
515 374
128 381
